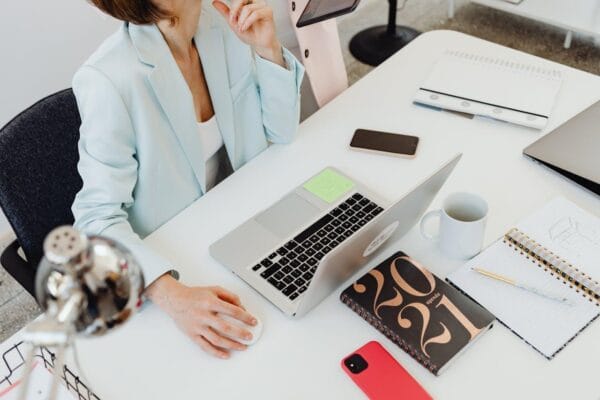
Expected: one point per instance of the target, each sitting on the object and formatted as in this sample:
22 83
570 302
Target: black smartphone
385 142
321 10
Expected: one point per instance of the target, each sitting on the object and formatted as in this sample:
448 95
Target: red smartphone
380 376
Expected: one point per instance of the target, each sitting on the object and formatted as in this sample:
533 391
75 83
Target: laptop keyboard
291 267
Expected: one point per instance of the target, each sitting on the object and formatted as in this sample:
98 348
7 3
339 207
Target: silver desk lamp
87 285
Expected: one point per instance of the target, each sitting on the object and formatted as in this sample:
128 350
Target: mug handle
426 218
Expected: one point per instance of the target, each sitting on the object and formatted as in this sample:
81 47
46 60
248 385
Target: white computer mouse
255 330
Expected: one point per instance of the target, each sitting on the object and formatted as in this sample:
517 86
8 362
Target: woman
183 94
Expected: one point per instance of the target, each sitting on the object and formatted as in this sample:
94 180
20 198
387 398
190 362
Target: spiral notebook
428 318
555 250
13 354
502 89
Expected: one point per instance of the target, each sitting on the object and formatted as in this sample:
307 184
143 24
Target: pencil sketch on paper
573 235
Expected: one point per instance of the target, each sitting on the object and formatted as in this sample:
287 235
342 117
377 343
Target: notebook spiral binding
377 324
555 265
549 73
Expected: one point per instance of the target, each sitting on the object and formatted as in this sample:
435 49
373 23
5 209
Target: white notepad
556 250
501 89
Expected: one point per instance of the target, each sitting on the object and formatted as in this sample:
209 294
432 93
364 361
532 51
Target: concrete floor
17 307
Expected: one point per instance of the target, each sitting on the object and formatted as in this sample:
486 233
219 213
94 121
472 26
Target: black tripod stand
374 45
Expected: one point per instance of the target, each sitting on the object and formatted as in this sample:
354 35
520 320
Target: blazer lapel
210 42
172 93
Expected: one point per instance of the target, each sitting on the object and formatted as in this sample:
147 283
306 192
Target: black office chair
38 178
375 45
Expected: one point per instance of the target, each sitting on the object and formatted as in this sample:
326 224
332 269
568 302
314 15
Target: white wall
42 43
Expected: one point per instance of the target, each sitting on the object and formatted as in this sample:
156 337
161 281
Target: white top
212 141
151 357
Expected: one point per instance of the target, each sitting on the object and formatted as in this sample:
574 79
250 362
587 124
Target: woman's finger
228 296
234 311
209 348
220 341
224 327
236 6
263 13
222 8
245 12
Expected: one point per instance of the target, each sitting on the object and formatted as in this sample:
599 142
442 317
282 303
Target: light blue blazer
140 152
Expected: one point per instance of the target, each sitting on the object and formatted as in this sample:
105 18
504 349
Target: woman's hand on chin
196 311
252 21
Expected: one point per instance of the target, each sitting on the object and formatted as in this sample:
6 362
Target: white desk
150 359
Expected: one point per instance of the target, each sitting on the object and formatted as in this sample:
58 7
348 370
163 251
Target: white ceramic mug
462 225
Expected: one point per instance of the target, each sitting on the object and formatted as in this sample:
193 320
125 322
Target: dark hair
136 11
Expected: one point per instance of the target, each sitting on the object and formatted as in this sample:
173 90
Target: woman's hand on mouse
252 21
195 311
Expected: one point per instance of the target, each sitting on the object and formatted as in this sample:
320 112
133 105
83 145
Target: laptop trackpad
287 215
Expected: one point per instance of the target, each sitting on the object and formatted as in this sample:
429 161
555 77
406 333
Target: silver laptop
302 248
572 149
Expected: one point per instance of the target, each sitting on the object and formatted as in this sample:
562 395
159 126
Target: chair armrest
18 268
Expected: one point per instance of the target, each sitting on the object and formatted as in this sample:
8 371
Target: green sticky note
328 185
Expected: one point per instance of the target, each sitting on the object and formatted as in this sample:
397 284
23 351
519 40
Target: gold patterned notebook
428 318
554 251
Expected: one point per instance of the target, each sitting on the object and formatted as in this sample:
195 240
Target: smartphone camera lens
356 364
